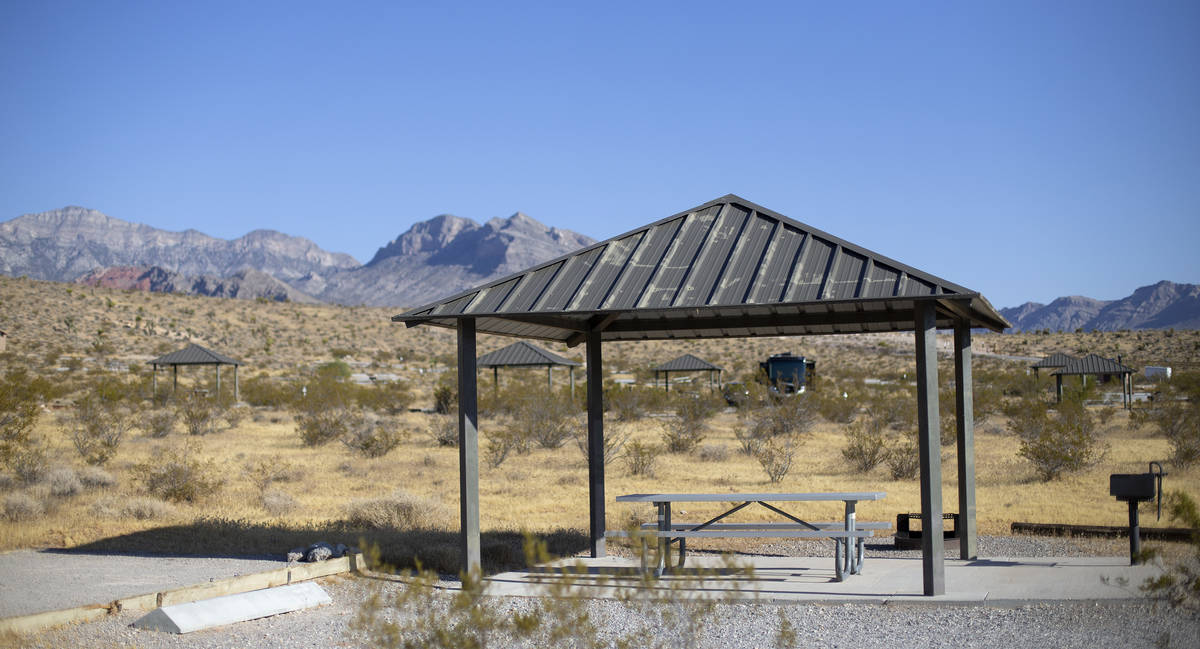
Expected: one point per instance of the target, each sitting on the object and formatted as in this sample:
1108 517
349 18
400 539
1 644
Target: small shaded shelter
724 269
1052 362
194 355
688 363
1100 367
524 354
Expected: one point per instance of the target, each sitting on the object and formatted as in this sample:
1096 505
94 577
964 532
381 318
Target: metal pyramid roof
687 363
727 268
522 353
194 355
1093 364
1054 360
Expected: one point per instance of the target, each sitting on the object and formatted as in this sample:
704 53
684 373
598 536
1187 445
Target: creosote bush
686 430
776 455
776 417
96 427
63 482
443 430
373 436
640 458
903 458
1063 442
1179 423
159 422
866 443
179 475
616 436
198 414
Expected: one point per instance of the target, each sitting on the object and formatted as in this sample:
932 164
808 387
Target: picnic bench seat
680 532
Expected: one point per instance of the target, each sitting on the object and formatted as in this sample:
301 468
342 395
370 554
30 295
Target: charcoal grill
1134 489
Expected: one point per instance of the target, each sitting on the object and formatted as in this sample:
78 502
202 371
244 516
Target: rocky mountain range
432 259
1163 305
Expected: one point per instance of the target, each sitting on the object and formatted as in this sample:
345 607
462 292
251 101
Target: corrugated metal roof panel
1093 364
194 355
687 363
722 257
1054 360
522 353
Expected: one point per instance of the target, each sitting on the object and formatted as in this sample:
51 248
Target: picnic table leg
852 566
664 540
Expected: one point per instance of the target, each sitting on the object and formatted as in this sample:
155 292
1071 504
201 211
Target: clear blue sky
1025 150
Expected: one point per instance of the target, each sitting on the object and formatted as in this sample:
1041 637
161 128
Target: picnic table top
732 497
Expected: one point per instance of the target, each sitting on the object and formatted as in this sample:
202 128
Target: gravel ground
866 626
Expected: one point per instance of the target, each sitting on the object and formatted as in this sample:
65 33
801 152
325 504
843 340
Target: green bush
1180 424
264 391
1064 442
616 436
776 455
317 428
684 432
443 429
198 414
159 422
400 511
903 458
783 416
19 411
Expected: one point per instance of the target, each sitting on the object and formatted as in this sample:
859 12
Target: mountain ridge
1162 305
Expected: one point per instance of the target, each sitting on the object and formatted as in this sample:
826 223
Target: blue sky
1025 150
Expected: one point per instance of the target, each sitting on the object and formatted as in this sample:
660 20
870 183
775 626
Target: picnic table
848 534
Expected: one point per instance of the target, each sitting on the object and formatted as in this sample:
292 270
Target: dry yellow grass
543 490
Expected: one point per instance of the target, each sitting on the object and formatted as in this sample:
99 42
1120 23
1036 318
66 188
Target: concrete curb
149 601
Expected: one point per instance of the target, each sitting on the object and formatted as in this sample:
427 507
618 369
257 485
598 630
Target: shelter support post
964 406
236 392
153 382
929 449
550 378
218 395
468 447
174 379
571 370
1058 387
495 379
595 416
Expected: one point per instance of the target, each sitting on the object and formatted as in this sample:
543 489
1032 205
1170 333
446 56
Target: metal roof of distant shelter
727 268
1093 364
1054 360
195 355
687 363
523 354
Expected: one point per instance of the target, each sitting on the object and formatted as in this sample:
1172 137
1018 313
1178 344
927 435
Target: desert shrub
501 442
22 507
832 406
634 403
63 482
445 393
400 511
277 502
1179 583
443 429
7 480
785 416
866 443
640 457
198 414
391 398
159 422
319 427
264 391
776 455
686 430
1064 442
28 462
19 410
713 453
616 436
93 477
1180 424
235 415
264 473
549 420
137 508
903 458
96 427
179 475
373 436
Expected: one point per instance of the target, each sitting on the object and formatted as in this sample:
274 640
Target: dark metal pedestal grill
1135 488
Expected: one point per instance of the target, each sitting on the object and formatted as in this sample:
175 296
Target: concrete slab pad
230 609
1000 580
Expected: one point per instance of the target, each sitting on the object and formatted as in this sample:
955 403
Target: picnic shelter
193 355
728 268
525 354
1100 367
1052 362
687 363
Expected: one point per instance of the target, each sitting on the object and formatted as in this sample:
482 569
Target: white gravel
865 626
